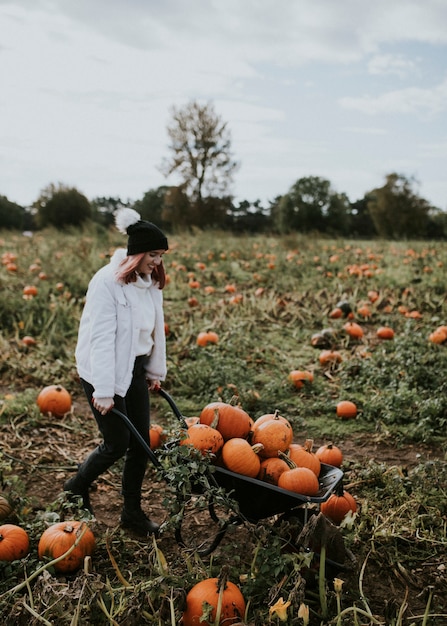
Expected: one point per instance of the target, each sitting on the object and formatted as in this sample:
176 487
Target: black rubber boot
78 488
134 518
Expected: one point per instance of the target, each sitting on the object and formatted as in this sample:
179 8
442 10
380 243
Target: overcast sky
347 90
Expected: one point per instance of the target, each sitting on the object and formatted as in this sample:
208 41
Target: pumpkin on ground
14 542
210 591
385 332
274 432
354 330
54 399
330 454
330 357
439 335
204 438
241 457
230 420
206 337
300 377
346 409
5 508
338 506
60 537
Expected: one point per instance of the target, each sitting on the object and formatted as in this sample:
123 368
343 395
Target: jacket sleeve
156 368
103 327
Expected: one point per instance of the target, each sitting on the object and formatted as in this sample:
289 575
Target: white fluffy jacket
109 331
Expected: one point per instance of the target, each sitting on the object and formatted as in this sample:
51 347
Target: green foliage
13 215
397 211
311 205
61 206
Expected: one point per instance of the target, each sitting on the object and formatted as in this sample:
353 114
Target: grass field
273 304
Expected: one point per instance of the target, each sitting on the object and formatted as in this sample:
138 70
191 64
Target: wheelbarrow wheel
194 531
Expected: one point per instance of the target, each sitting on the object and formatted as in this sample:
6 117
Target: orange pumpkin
54 399
228 419
439 335
274 432
242 458
27 340
14 542
212 592
330 357
373 295
30 290
206 337
364 311
59 538
385 332
336 313
204 438
354 330
337 506
299 377
156 436
300 480
303 456
330 454
5 508
271 469
346 409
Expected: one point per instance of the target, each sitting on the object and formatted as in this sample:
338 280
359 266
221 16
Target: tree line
201 160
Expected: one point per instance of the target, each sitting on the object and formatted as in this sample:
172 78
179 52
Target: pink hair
127 272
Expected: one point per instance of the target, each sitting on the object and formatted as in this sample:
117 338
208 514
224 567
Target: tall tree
311 205
12 215
61 206
200 147
397 211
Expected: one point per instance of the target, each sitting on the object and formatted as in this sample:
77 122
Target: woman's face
149 261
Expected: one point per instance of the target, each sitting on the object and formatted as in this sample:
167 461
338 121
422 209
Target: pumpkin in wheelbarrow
204 438
274 432
230 420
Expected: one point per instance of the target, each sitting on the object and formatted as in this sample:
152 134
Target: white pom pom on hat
143 236
125 217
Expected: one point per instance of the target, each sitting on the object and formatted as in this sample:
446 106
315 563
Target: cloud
391 64
365 130
405 101
255 31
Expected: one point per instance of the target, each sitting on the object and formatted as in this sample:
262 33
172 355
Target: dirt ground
43 455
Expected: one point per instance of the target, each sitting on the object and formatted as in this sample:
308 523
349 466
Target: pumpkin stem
285 457
222 584
276 414
308 445
234 400
257 448
216 419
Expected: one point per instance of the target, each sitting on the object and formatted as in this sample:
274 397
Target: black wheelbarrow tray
256 499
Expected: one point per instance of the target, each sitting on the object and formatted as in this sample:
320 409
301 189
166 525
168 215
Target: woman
120 354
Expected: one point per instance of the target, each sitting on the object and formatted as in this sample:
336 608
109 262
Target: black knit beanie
143 236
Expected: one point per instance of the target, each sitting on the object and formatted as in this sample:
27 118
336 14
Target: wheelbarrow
255 499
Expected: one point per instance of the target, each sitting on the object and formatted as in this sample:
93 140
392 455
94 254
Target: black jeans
117 439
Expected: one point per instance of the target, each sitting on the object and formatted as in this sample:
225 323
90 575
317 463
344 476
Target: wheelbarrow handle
139 437
178 414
